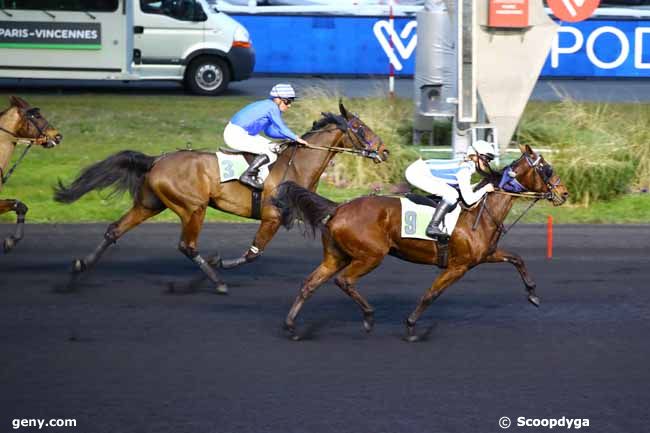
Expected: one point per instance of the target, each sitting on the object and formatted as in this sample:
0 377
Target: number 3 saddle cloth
231 166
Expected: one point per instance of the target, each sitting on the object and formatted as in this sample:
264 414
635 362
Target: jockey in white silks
242 133
441 177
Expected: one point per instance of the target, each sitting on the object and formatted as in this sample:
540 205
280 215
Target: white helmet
282 91
482 147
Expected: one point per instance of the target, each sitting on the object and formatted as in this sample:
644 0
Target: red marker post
549 237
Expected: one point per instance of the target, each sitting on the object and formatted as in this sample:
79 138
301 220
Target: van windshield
61 5
212 4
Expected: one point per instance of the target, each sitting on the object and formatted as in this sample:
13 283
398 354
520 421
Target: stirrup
249 181
434 232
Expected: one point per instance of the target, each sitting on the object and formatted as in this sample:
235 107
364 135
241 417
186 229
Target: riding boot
433 231
250 175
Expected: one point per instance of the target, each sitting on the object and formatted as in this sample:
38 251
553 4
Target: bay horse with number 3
20 123
187 182
358 234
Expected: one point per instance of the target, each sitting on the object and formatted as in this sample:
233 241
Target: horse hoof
9 244
290 329
215 262
411 338
533 299
78 266
368 322
222 289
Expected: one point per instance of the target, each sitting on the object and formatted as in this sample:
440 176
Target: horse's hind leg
267 229
500 256
346 281
136 215
21 210
192 223
444 280
331 264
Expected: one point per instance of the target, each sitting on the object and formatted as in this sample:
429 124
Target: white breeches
237 138
418 175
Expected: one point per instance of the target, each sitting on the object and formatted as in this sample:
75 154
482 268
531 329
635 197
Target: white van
179 40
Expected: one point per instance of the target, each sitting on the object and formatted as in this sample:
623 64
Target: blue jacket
264 116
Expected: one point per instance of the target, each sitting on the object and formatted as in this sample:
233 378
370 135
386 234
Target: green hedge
597 149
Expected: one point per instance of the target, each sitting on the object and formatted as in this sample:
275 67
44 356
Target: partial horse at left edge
20 124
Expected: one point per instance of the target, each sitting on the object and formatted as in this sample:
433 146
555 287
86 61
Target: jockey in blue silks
242 133
444 177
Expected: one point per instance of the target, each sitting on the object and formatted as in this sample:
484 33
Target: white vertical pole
391 68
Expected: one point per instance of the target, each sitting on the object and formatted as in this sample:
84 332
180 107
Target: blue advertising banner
330 44
350 45
600 48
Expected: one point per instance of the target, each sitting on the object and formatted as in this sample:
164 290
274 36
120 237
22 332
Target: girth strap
443 251
256 204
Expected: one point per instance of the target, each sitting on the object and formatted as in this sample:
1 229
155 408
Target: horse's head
359 136
531 173
31 125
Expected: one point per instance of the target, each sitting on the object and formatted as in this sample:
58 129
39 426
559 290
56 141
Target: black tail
124 170
296 202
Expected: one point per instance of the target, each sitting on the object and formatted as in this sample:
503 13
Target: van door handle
138 29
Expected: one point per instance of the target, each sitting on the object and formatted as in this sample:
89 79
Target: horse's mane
329 119
492 176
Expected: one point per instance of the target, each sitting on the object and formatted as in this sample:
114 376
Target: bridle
31 115
371 148
509 185
370 151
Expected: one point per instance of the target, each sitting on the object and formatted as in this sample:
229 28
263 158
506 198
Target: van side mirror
199 15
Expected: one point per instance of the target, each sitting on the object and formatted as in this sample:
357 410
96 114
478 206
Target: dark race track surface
121 355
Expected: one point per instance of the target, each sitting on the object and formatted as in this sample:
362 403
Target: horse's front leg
20 209
500 256
268 228
444 280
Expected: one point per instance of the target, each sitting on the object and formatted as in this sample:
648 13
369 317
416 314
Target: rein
364 153
29 141
502 230
525 194
335 149
21 140
4 178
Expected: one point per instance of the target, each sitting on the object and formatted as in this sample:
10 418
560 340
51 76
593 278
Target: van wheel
207 76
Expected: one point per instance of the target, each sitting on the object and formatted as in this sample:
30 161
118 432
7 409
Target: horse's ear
342 109
526 149
529 150
18 102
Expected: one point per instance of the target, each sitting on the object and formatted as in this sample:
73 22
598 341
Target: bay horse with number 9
187 182
358 234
